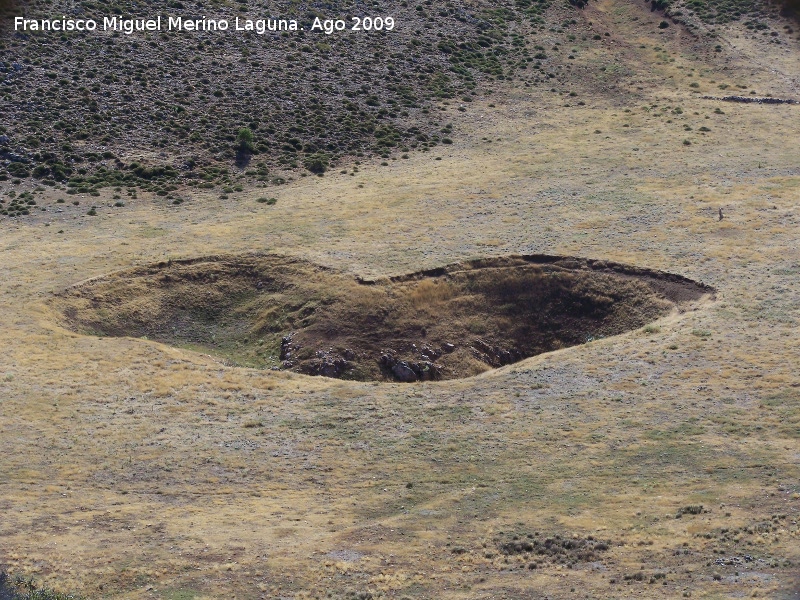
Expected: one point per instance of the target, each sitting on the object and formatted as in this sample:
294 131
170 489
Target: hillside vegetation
172 109
173 104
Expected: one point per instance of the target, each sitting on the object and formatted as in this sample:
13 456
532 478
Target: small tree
244 141
244 146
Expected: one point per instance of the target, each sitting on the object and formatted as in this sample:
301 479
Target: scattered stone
286 346
408 371
494 355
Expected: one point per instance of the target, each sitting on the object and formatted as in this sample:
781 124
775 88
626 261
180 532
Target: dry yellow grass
131 469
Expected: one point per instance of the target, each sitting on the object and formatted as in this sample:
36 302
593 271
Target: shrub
316 163
18 169
21 589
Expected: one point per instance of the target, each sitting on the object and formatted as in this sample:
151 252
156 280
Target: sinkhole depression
279 312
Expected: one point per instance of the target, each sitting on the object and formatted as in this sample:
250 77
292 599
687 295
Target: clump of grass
429 292
267 201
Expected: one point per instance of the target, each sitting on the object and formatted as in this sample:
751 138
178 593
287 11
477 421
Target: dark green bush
244 141
317 163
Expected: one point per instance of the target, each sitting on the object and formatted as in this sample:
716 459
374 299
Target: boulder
403 372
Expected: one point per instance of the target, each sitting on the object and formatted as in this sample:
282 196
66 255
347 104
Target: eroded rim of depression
285 313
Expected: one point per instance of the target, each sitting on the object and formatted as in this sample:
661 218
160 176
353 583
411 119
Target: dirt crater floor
446 323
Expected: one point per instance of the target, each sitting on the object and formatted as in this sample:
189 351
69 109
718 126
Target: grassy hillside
658 462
